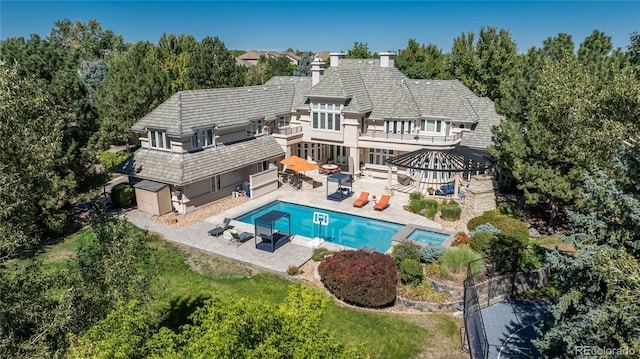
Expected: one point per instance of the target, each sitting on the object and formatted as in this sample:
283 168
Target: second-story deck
411 138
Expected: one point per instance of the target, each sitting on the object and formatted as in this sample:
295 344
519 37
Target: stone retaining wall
490 291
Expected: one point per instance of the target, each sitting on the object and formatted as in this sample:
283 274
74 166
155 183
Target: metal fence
473 322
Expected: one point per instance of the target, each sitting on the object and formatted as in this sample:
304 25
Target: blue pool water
426 236
344 229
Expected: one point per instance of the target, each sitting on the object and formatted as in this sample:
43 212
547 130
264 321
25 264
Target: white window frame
203 138
284 121
159 140
435 126
326 116
379 156
215 184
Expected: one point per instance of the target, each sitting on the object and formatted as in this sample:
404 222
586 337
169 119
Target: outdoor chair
221 228
364 199
241 237
383 204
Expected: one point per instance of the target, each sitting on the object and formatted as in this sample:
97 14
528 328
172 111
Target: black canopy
457 159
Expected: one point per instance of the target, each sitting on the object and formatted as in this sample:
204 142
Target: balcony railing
411 137
287 131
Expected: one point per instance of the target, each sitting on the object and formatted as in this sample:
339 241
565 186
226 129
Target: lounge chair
241 237
364 199
221 228
383 204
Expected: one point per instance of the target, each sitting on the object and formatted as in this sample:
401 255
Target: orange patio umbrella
303 166
292 160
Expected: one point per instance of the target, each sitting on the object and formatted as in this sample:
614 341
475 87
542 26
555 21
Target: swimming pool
426 236
343 229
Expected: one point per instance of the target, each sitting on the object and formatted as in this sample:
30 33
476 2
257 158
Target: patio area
298 251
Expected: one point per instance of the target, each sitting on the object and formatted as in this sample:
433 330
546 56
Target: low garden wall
490 291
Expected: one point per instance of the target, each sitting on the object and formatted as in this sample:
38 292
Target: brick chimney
317 71
387 59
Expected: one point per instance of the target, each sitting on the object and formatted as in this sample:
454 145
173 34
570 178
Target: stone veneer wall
480 196
491 291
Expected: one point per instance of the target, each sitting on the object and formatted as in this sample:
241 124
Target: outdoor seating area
225 225
345 186
446 190
268 237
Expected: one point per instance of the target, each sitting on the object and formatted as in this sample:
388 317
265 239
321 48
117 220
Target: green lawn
187 277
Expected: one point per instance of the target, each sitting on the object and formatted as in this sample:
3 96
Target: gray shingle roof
187 111
185 168
301 85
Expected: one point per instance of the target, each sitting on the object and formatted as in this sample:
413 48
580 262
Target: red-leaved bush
361 278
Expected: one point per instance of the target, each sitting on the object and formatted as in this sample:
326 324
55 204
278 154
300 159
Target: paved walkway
298 251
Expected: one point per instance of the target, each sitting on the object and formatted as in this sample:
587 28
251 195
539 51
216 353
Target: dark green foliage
56 224
359 51
508 226
450 211
320 253
507 253
405 250
123 195
415 196
211 65
111 160
431 252
360 278
411 272
421 61
599 286
481 242
304 66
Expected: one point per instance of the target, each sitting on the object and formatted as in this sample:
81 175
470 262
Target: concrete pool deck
299 251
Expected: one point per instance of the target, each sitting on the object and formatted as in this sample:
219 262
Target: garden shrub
486 227
360 278
56 224
416 205
481 241
293 270
431 212
461 238
404 250
508 226
123 195
509 211
415 196
431 252
450 211
110 160
319 253
456 259
411 272
507 253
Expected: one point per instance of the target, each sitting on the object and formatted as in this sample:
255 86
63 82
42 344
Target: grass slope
187 277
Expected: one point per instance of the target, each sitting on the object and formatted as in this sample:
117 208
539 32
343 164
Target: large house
200 145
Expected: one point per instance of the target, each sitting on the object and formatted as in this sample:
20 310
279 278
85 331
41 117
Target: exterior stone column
389 189
481 194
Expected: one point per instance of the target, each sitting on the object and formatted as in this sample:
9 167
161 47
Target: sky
330 25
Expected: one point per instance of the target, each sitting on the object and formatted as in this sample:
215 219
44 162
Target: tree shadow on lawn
180 308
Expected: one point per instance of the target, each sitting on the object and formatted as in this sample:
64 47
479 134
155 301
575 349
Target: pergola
270 238
345 186
459 159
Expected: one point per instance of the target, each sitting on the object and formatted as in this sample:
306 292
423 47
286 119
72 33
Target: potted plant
431 191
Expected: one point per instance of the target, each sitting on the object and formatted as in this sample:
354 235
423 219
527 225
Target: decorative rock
533 233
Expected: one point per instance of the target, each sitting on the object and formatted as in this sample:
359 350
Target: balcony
287 131
411 138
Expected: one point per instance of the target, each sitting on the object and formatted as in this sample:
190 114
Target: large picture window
326 116
159 140
379 156
436 126
202 138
